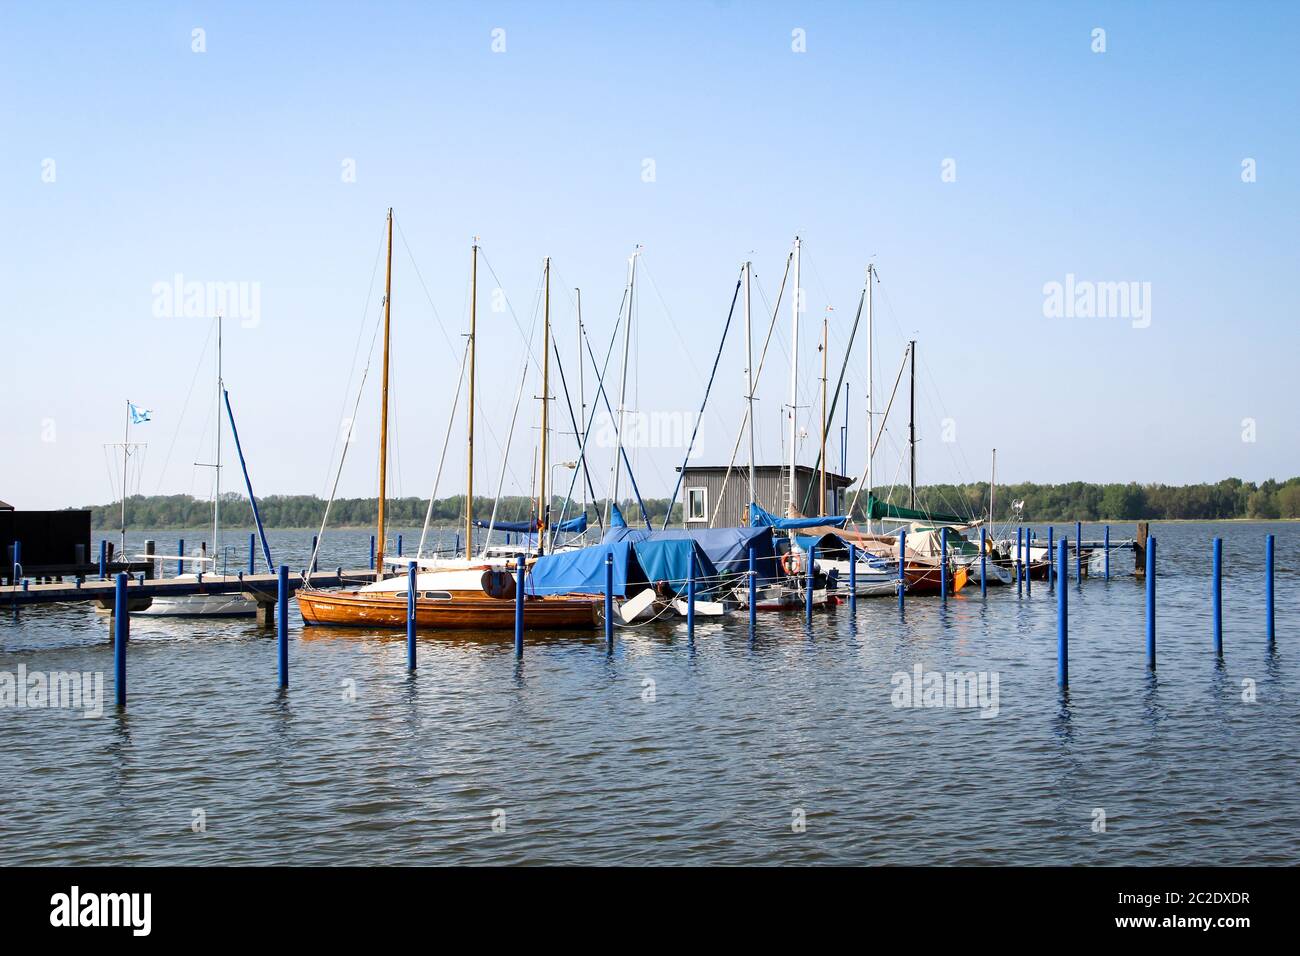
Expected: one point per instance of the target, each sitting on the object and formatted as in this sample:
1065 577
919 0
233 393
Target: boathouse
50 543
714 496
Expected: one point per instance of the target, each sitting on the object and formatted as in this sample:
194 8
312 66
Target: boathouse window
697 504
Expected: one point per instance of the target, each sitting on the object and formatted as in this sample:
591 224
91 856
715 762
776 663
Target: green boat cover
882 509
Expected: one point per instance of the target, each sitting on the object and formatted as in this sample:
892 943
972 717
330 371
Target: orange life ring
791 563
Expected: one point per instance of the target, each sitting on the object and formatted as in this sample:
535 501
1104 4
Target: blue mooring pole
1078 552
399 544
753 590
943 564
314 543
180 557
103 559
1106 549
1151 603
1020 566
609 601
1051 550
282 623
853 577
690 600
984 564
1063 619
121 632
902 565
1268 589
372 552
410 616
519 606
1029 578
252 552
1218 597
808 587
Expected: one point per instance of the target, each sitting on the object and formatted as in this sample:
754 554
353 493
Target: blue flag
139 414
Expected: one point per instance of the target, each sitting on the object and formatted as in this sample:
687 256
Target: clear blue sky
226 166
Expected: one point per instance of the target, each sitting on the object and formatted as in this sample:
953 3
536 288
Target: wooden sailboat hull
924 579
462 612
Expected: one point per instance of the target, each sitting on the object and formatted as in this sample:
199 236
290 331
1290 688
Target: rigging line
758 374
347 443
601 393
622 448
883 430
600 377
361 332
414 265
479 408
927 383
681 473
514 417
839 385
672 324
176 432
582 459
451 423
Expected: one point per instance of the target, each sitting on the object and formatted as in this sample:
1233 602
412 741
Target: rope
681 473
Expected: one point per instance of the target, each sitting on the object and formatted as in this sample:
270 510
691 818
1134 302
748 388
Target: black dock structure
51 545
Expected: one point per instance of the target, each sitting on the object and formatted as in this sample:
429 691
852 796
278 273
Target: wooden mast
383 406
543 508
821 493
469 432
911 424
796 305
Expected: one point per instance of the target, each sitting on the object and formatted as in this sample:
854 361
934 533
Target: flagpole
126 437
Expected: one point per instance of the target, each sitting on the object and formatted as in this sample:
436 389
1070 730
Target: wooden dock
262 588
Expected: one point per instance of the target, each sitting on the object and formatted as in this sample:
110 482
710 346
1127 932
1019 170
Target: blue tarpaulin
727 548
572 526
759 518
669 560
583 571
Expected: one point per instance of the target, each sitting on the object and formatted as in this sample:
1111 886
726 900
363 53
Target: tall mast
796 303
749 381
216 498
582 402
126 447
383 404
543 506
871 384
993 481
825 424
622 391
911 422
469 431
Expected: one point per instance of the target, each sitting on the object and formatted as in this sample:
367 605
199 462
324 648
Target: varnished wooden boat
924 578
464 610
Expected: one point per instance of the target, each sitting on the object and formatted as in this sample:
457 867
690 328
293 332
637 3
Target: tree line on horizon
1072 501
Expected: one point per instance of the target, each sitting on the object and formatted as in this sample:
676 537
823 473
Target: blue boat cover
760 518
583 571
669 560
727 548
616 519
573 525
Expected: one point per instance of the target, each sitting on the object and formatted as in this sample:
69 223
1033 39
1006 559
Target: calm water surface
738 740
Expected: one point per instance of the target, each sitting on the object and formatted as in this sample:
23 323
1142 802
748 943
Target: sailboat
204 604
464 593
